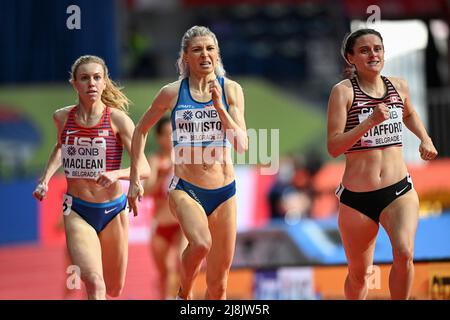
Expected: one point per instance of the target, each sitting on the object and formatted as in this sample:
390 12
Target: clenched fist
380 113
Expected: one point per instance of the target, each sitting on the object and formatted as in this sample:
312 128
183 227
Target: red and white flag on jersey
103 133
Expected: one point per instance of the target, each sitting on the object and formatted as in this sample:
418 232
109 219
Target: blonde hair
112 95
196 31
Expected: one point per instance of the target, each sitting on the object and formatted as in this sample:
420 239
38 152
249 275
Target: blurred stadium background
286 56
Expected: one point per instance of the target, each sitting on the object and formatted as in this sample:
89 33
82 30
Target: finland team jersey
386 134
197 123
89 151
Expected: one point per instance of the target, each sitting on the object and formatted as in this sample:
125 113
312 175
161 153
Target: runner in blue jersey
207 116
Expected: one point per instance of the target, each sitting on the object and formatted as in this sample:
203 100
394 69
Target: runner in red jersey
90 139
167 239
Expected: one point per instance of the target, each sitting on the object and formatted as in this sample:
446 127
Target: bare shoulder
341 95
233 90
120 118
399 83
167 96
171 90
231 84
61 114
118 114
343 86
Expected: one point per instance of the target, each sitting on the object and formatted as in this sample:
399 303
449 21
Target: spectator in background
293 195
281 185
141 54
366 114
167 238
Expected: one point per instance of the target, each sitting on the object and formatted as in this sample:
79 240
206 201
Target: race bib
67 204
198 125
386 133
85 161
173 183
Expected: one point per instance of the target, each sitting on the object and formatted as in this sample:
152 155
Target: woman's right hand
380 113
41 191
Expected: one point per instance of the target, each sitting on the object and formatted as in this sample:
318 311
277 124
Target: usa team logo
187 115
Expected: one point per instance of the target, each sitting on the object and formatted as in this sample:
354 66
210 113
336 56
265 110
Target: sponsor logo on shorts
399 192
110 210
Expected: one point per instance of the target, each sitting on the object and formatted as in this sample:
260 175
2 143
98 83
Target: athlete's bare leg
194 224
114 243
358 234
222 223
400 219
85 252
159 248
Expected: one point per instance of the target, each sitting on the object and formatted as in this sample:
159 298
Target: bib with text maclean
89 151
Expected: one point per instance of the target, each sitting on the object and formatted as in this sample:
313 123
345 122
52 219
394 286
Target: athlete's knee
201 246
94 282
358 277
403 254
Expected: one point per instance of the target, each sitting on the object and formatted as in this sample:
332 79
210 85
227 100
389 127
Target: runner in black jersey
366 118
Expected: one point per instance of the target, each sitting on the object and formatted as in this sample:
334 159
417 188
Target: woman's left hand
135 193
427 150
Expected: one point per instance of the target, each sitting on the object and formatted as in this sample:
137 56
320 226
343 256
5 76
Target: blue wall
37 45
18 212
313 239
